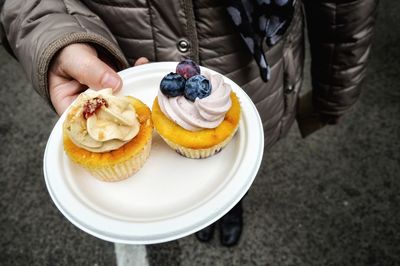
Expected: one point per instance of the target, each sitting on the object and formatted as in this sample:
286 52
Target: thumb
85 67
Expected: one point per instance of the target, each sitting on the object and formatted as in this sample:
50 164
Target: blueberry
188 68
172 85
197 87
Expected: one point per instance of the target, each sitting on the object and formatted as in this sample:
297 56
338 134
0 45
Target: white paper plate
171 196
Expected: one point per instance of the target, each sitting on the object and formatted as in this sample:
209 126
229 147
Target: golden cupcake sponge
178 137
120 163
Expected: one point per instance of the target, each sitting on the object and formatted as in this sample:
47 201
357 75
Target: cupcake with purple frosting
197 114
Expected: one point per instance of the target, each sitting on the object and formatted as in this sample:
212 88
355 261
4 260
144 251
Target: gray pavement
330 199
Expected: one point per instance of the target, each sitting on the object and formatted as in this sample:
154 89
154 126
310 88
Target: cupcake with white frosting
197 114
108 135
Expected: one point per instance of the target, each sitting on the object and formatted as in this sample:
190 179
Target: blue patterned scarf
260 21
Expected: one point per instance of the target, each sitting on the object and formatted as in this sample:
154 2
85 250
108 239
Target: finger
141 61
64 94
88 69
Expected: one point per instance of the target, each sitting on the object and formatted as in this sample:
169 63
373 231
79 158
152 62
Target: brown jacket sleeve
340 34
36 29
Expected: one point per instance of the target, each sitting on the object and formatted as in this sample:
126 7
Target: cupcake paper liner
122 170
199 153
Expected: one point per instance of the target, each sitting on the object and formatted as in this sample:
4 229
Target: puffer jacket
170 30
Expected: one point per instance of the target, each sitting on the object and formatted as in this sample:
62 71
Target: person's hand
76 67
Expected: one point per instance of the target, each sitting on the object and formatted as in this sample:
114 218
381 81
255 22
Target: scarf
259 22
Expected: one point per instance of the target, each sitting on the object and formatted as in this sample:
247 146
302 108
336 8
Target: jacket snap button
183 46
289 89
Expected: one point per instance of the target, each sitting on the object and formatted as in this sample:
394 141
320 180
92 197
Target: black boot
231 226
205 234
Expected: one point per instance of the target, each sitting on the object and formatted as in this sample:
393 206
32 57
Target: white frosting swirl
108 128
207 112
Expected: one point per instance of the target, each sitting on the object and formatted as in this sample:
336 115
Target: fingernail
110 81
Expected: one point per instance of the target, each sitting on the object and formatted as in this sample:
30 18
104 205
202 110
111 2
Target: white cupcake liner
125 169
199 153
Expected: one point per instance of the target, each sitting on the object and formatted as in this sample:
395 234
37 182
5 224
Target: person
66 46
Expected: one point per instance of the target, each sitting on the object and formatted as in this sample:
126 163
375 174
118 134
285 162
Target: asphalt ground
330 199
